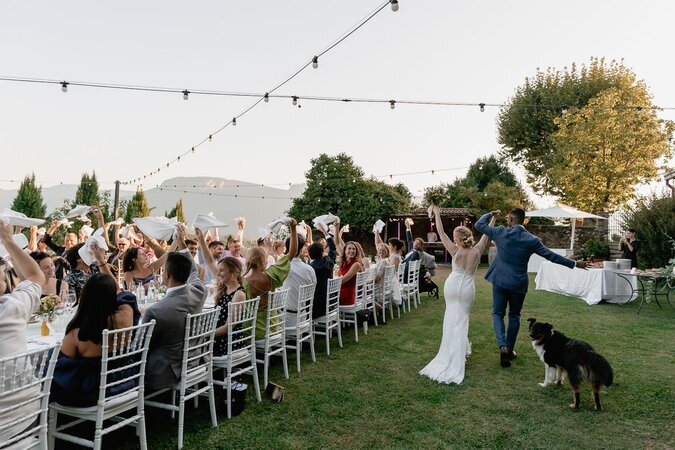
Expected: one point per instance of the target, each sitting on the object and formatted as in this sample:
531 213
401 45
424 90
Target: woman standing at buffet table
629 246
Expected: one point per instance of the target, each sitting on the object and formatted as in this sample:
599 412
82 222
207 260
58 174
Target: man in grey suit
185 295
508 274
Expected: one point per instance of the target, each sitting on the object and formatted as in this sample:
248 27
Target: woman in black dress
228 291
629 247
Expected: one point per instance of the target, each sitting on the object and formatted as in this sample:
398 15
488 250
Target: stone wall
558 236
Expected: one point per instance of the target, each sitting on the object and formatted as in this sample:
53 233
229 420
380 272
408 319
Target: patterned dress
220 342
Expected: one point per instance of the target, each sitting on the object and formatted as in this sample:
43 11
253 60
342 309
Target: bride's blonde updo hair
465 237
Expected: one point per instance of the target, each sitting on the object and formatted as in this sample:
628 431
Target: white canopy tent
564 212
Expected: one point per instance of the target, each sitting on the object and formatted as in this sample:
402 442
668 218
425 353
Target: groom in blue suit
508 274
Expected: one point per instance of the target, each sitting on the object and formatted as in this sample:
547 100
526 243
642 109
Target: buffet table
592 285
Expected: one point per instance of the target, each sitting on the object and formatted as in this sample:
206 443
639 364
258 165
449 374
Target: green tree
137 206
177 211
653 219
489 184
29 199
529 124
608 150
336 185
87 192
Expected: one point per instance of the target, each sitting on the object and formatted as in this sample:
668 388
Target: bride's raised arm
485 239
447 242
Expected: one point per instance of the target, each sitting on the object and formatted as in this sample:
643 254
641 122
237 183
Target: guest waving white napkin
19 239
378 227
86 252
157 227
275 226
19 219
129 233
301 230
325 219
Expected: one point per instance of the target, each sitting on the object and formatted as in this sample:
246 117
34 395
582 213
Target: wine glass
70 300
60 319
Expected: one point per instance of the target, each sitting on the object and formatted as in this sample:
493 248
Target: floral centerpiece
48 305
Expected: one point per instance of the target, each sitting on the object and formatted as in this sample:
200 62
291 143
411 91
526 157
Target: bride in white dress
459 292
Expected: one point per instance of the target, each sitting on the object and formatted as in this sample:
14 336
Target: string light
210 140
482 107
315 62
564 109
392 104
394 5
186 93
64 86
295 101
234 121
267 97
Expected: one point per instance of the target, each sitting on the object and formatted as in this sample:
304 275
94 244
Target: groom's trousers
500 299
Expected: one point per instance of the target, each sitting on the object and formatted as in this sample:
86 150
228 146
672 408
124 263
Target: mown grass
369 394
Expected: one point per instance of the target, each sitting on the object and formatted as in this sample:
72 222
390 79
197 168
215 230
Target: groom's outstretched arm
483 226
552 256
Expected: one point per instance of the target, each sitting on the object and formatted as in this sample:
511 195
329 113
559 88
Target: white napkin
65 223
331 229
275 226
86 252
378 227
129 233
18 219
326 218
19 239
430 211
408 221
239 220
263 232
157 227
118 221
301 230
207 221
346 228
79 210
87 230
41 231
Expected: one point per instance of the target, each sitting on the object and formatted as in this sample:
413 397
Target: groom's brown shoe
504 357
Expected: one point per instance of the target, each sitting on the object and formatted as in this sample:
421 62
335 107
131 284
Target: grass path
369 394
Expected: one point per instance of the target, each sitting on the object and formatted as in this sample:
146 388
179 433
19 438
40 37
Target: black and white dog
576 359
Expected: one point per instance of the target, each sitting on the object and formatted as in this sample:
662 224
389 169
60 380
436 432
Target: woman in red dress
350 265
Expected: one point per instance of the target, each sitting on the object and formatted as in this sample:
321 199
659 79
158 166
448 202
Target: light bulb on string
210 140
295 101
392 104
193 149
266 97
234 121
64 86
482 107
186 93
315 62
394 5
564 109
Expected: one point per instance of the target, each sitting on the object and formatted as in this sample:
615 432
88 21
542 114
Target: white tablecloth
592 285
536 261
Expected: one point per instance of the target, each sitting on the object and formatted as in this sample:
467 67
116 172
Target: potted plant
598 249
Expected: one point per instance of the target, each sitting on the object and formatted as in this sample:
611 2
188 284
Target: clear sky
470 51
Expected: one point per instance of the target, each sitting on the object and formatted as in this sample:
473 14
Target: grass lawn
369 394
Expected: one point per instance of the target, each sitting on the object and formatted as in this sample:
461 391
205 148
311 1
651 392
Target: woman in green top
260 282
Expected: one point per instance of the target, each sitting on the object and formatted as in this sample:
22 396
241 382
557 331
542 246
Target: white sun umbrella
561 211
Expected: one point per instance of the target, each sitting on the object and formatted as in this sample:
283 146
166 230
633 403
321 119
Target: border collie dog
575 359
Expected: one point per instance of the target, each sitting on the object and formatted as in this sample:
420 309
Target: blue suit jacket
515 245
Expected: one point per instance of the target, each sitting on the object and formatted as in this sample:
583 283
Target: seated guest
192 246
234 249
136 271
185 295
217 250
266 244
350 265
52 286
414 247
323 269
629 246
259 281
16 307
301 274
69 241
278 250
79 271
382 263
77 374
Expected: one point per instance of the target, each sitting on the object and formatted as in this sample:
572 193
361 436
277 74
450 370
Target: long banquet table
591 285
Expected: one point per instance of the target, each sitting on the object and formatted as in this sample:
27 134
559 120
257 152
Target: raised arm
21 261
293 250
447 242
483 227
162 255
546 253
484 240
340 244
32 243
206 254
378 238
99 254
50 243
408 233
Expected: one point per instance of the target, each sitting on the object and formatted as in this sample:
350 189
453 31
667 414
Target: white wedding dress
459 292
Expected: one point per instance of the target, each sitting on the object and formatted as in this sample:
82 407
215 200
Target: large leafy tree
137 206
608 149
29 198
530 123
336 184
489 184
87 192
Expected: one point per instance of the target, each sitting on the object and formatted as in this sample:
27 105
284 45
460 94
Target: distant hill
248 203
